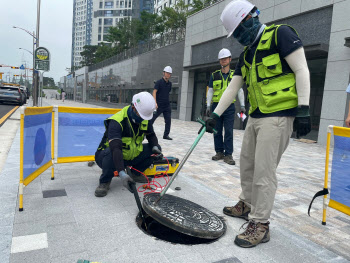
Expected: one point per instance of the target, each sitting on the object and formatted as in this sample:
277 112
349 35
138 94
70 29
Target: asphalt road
5 109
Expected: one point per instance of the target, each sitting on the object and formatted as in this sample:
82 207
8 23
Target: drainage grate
54 193
164 233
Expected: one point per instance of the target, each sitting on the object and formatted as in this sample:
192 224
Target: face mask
134 117
246 32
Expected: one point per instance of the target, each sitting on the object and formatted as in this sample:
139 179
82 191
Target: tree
175 18
21 82
89 55
103 52
48 81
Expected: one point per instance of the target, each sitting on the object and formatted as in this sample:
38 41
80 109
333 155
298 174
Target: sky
55 34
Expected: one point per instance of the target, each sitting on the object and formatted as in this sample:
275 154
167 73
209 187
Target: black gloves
156 150
211 122
302 122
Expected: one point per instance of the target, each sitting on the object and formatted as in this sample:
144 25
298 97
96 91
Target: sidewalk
81 226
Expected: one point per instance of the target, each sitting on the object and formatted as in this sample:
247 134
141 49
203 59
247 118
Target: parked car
11 94
26 91
24 94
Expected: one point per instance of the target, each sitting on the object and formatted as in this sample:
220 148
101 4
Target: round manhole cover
184 216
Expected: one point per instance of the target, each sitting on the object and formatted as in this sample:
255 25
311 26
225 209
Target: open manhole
180 221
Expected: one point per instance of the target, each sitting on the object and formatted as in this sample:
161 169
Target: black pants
166 110
104 160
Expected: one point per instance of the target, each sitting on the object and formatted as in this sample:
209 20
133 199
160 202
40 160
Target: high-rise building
93 18
82 28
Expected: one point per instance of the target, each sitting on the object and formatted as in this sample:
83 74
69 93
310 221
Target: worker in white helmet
219 80
121 145
274 68
162 89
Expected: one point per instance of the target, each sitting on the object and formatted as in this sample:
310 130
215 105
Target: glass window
117 4
100 21
101 4
121 4
129 3
99 29
99 38
108 21
108 13
109 4
106 29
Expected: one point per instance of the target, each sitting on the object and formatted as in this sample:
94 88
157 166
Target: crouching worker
122 146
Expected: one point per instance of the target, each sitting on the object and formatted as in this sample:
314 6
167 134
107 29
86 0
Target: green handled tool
201 133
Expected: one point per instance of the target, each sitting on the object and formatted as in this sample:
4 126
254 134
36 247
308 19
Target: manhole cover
184 216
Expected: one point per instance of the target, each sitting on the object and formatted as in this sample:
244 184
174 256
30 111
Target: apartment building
81 29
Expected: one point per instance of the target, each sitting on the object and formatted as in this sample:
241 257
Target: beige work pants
264 141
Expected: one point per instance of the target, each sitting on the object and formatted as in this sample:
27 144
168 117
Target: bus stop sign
42 59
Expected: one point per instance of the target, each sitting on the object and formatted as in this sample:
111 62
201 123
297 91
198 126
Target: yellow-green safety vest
270 80
131 140
220 84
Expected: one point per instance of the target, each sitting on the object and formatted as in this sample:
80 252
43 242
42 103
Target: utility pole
36 82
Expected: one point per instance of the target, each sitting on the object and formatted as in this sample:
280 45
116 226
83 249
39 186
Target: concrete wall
338 71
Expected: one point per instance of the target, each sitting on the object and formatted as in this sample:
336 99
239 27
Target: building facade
108 13
81 29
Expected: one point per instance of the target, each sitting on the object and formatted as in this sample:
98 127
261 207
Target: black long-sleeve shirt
115 138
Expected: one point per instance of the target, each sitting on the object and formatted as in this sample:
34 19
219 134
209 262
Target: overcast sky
55 33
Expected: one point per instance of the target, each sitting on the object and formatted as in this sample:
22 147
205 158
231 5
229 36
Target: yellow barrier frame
24 182
64 109
338 131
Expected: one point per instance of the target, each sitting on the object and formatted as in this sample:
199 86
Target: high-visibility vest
131 139
270 80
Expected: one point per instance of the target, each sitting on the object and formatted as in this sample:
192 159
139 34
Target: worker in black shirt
274 68
161 93
122 145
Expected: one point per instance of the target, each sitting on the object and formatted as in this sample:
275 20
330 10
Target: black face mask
133 116
247 31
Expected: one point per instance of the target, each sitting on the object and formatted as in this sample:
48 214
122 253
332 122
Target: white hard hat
168 69
224 53
144 104
234 13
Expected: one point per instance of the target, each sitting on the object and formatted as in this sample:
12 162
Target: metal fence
158 42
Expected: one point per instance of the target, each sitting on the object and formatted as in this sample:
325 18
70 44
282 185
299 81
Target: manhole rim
192 232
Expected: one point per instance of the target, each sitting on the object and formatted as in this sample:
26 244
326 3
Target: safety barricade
79 132
339 193
36 144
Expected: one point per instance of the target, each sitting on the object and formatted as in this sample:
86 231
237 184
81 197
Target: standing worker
161 93
219 80
274 68
347 121
122 146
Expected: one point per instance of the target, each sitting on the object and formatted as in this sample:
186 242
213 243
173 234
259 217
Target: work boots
218 156
102 189
229 160
240 210
254 234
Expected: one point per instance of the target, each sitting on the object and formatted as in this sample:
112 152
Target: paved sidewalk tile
82 226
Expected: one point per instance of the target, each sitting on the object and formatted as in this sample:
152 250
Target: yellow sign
42 54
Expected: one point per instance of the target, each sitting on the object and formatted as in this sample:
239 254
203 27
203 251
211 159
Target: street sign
22 67
42 59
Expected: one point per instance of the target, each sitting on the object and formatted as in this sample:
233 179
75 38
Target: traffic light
1 75
16 75
15 67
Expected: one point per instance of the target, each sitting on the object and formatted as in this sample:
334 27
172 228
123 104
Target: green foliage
129 33
48 81
89 55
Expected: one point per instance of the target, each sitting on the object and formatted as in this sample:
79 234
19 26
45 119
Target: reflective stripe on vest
131 140
220 84
270 80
